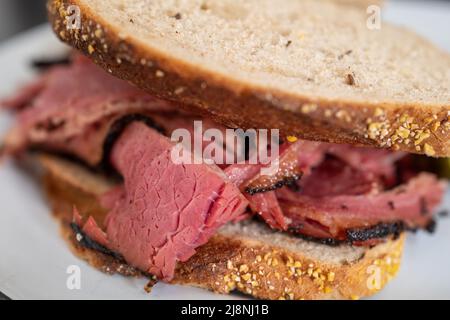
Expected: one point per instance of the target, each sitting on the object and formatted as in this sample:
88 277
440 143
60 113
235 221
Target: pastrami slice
166 210
67 101
412 203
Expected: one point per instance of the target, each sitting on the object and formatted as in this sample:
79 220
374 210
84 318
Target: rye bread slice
312 69
247 257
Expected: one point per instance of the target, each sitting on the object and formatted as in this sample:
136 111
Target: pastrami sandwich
351 106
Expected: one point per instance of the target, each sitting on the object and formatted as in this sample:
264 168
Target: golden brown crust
275 273
416 128
227 263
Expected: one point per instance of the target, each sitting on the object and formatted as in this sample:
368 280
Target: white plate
34 259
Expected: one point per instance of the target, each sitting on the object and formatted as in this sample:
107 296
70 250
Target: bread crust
241 105
230 262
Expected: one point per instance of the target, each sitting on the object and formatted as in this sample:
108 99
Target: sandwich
131 135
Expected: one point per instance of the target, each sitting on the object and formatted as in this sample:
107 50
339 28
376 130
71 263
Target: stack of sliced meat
163 211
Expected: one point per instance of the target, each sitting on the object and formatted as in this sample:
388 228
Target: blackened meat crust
379 231
286 181
44 64
85 241
326 241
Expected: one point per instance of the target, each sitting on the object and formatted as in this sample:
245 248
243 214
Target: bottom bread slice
247 257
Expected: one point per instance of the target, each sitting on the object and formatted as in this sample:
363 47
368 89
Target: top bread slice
313 69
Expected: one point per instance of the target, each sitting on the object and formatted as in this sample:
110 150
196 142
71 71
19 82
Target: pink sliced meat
334 174
335 177
95 233
412 203
375 163
294 160
291 166
350 171
67 100
241 173
91 228
72 109
267 206
164 211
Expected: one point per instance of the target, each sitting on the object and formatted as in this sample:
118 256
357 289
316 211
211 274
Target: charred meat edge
289 181
380 231
43 64
86 242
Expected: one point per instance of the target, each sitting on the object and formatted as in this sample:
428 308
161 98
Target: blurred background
19 15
